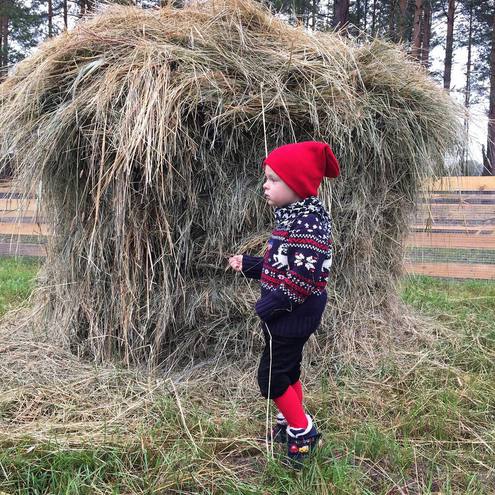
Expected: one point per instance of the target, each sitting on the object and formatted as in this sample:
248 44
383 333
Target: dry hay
49 395
146 131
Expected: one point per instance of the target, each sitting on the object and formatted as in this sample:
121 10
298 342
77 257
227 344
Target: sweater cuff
272 304
252 266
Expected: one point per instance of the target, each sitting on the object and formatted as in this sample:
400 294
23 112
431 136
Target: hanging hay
146 130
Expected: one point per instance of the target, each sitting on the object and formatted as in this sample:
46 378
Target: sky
478 121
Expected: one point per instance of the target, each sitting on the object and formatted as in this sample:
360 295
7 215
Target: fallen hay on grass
49 394
199 429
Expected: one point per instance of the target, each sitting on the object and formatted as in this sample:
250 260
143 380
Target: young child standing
293 273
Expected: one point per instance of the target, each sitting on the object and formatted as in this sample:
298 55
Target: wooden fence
452 233
21 233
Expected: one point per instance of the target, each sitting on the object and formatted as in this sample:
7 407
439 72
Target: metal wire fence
453 230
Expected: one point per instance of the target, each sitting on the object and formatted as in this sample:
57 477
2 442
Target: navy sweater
294 269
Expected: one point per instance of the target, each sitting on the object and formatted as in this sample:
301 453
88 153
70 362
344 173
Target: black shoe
301 442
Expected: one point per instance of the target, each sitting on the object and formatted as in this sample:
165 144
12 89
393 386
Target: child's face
277 192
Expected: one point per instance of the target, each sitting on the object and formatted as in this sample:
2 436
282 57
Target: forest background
452 39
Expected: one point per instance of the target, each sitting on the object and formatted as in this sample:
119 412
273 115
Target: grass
452 255
16 281
422 427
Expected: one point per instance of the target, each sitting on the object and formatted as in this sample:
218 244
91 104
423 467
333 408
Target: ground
420 422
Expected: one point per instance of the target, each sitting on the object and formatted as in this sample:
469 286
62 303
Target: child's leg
297 386
290 406
278 368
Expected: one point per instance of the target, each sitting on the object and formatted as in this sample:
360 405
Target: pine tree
489 164
341 13
449 44
19 33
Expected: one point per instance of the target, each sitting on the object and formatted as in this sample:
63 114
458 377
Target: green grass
16 281
452 255
421 427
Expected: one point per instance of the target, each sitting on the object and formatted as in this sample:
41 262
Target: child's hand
236 262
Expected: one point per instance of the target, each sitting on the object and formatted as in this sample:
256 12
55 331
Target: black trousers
286 357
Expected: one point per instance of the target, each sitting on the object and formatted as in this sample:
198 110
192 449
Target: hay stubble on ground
419 422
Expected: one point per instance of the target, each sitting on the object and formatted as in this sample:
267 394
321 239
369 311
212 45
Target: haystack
145 130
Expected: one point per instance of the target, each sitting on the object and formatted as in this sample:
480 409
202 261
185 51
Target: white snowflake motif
299 259
310 263
307 261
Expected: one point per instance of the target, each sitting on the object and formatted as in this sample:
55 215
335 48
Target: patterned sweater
294 269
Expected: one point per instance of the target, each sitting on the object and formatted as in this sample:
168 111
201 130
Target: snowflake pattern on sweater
297 260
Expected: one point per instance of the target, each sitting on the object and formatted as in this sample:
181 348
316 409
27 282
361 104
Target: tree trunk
425 49
341 13
66 24
391 20
50 18
403 19
373 19
490 169
86 6
416 34
1 46
365 24
1 34
4 55
447 71
467 90
314 10
486 163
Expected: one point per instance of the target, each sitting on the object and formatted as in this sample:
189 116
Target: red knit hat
302 166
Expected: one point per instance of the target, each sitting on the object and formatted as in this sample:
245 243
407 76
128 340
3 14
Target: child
293 274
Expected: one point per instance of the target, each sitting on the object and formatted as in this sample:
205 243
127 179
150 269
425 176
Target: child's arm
308 245
250 266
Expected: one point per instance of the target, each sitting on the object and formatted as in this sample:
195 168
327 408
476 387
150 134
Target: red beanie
302 166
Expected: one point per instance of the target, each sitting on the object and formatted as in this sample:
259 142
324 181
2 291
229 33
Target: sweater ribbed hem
302 321
295 327
271 304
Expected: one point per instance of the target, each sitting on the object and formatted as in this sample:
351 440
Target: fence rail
452 232
21 231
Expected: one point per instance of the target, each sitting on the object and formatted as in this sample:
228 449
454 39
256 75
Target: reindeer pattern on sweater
298 257
294 269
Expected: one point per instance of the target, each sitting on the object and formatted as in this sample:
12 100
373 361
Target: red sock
290 406
298 389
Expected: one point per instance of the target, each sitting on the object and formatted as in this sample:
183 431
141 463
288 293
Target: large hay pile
146 130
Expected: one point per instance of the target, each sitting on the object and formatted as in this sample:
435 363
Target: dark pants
286 357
